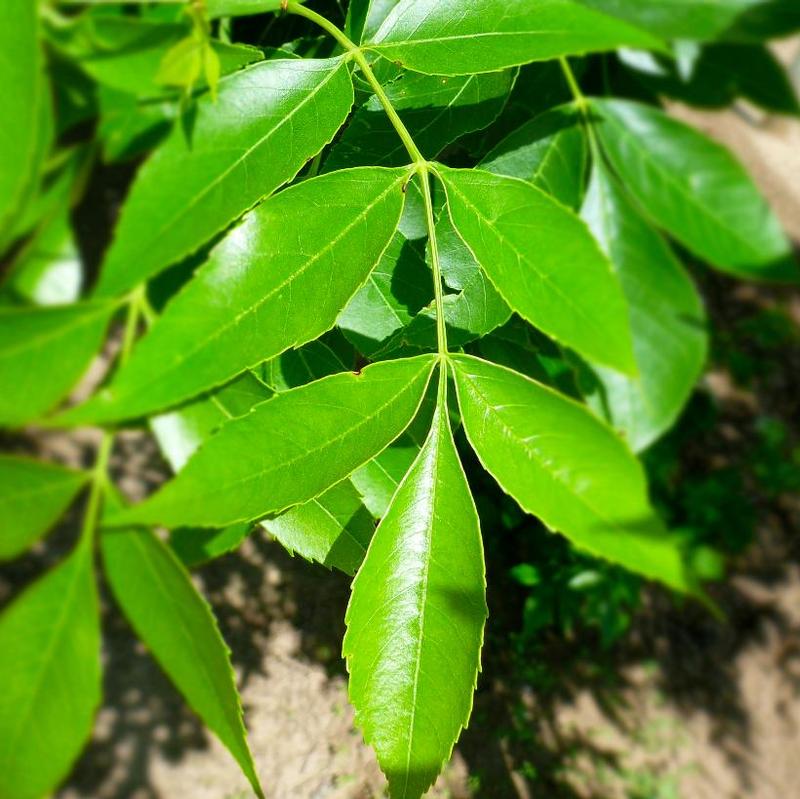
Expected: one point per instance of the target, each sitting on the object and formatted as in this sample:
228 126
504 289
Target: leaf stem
422 167
581 103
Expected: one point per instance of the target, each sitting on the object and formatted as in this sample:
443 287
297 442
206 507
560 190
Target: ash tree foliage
353 247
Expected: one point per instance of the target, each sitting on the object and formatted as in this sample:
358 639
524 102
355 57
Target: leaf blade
414 624
449 37
543 261
291 107
563 465
353 417
179 628
50 671
251 300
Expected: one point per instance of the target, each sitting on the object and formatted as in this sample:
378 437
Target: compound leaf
278 280
451 37
50 673
177 625
667 319
32 497
291 448
543 261
43 353
415 619
695 189
563 465
267 121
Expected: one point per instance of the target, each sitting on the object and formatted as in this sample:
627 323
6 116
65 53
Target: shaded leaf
43 353
695 189
667 318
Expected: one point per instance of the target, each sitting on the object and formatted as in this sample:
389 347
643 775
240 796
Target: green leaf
451 37
333 529
196 546
695 189
436 111
473 309
543 261
21 75
378 479
549 151
241 8
276 281
139 57
267 121
43 353
177 625
179 433
32 497
50 673
667 318
396 290
291 448
309 363
563 465
364 17
415 619
48 270
705 19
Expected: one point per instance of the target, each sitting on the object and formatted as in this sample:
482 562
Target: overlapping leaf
667 319
543 261
291 448
276 281
267 121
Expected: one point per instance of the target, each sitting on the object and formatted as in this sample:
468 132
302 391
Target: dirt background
687 706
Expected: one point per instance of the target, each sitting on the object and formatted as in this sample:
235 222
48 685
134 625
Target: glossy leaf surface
276 281
43 353
695 189
267 121
451 37
50 672
667 318
415 620
177 625
543 261
32 497
291 448
564 466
